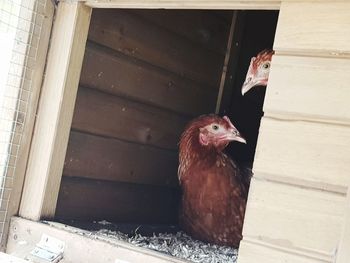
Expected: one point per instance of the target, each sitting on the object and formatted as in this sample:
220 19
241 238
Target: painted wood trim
23 151
187 4
343 252
55 111
81 246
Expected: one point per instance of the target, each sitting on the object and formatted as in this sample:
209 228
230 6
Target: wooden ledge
80 246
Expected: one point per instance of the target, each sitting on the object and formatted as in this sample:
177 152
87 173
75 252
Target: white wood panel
55 111
187 4
344 245
304 153
294 217
5 258
314 26
309 88
250 252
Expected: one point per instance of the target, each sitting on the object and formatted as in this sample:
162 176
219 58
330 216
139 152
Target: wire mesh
21 24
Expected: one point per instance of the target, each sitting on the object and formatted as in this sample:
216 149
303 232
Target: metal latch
49 249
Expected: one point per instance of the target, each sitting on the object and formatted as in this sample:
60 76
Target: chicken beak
239 138
236 136
247 85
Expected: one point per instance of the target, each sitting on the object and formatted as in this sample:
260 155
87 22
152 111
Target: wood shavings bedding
177 244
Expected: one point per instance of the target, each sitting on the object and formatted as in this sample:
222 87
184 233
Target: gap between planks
295 117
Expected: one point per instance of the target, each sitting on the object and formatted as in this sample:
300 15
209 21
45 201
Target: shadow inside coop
102 191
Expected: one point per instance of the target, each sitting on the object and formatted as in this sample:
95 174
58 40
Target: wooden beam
80 246
226 61
55 111
187 4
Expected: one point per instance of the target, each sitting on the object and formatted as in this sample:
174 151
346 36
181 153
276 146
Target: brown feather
214 193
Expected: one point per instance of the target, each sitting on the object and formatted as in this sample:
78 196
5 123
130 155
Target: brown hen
214 191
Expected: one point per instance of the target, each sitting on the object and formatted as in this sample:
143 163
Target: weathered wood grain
309 88
206 27
136 37
120 75
95 157
293 217
84 199
102 114
304 153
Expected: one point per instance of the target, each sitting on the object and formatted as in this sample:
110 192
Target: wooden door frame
56 106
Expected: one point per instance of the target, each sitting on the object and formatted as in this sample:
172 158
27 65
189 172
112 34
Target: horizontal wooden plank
309 88
187 4
136 37
252 252
80 246
207 28
109 159
322 26
294 217
84 199
120 75
103 114
304 153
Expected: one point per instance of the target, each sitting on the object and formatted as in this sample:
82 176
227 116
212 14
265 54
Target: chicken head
219 133
258 71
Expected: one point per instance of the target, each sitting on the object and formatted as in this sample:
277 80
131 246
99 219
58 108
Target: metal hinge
49 249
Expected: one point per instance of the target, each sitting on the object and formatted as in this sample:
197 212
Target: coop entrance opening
145 74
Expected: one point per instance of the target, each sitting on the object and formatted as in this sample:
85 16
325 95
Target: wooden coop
122 78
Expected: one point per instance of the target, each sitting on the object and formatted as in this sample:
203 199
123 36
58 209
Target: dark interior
257 33
145 74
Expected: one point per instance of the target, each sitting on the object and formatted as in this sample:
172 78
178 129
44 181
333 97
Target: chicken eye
266 65
215 127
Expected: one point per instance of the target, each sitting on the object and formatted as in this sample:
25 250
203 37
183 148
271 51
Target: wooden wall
296 203
144 75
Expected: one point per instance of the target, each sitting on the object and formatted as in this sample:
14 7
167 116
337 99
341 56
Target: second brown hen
214 190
